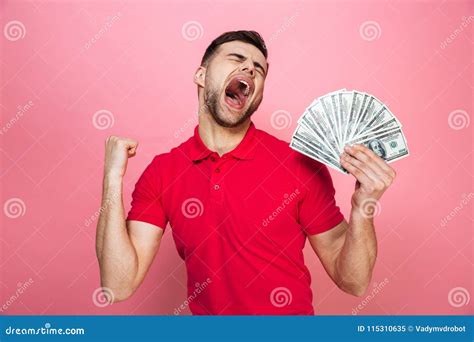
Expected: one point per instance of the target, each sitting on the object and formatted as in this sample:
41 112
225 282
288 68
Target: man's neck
220 139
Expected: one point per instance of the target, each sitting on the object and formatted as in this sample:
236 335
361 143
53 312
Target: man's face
233 82
375 146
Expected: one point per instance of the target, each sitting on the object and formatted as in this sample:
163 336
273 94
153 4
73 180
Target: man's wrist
359 215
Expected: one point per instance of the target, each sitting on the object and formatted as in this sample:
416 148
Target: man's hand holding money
372 173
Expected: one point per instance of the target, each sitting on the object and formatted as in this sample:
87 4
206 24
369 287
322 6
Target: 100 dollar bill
389 146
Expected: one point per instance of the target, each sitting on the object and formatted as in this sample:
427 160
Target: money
345 117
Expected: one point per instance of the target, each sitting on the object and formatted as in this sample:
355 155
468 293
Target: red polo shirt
240 221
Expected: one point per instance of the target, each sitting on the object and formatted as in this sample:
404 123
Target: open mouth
238 91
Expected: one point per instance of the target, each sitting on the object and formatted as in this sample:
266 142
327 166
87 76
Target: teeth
247 87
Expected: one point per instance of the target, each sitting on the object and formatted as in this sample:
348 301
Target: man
240 203
377 146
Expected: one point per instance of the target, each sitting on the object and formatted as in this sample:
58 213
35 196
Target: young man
240 202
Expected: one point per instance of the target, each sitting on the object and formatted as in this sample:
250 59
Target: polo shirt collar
244 150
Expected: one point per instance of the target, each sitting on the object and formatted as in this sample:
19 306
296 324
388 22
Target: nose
248 67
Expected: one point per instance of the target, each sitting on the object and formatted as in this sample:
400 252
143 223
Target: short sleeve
318 211
147 199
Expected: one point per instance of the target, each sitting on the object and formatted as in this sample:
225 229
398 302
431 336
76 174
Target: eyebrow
242 58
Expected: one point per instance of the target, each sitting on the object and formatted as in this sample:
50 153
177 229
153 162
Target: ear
200 76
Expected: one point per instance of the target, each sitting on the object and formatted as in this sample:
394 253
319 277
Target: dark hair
251 37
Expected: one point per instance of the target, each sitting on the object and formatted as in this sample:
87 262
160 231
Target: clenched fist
117 152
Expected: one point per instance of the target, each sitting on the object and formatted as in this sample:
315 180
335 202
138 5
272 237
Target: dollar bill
316 121
359 102
366 114
303 135
346 99
329 112
345 117
301 147
389 146
382 120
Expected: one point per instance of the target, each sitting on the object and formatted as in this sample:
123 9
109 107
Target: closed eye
239 58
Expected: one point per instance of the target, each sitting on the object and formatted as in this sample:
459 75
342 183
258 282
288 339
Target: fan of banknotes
344 118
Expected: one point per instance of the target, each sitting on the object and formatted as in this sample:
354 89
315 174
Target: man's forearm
356 259
116 254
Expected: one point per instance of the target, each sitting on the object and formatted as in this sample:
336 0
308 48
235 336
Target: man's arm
349 250
348 254
125 249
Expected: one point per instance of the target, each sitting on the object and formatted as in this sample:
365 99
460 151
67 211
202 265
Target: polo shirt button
213 159
216 187
217 170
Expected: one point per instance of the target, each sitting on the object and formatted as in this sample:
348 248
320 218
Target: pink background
136 60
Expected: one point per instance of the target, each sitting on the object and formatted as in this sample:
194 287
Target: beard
211 102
